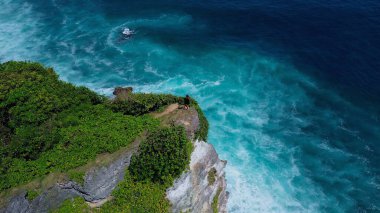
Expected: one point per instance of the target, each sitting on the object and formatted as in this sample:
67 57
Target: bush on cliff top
162 157
137 196
141 103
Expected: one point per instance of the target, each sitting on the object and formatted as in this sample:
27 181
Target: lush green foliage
202 133
141 103
138 197
163 156
211 176
67 129
83 133
30 95
75 205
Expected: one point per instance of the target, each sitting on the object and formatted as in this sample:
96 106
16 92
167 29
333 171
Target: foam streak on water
291 145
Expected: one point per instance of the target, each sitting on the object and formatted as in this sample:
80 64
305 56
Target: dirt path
168 110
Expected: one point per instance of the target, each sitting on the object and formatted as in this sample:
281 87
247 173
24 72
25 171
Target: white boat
128 32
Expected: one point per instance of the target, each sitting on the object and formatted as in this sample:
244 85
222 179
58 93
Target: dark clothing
187 101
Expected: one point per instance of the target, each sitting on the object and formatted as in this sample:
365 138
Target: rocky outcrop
174 115
99 182
49 199
121 93
193 192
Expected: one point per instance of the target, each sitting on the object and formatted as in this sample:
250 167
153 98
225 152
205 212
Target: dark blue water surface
291 88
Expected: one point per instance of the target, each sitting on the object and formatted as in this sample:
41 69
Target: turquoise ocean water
290 89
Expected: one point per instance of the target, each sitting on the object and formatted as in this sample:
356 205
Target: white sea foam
19 28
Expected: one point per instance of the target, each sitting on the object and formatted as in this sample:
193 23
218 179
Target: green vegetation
215 200
211 177
130 196
141 103
77 176
202 133
74 205
51 126
138 196
163 156
83 133
30 96
31 194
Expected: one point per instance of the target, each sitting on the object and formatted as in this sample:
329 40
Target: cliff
193 191
81 152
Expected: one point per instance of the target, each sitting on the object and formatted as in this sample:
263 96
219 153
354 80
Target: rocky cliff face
201 189
195 190
99 182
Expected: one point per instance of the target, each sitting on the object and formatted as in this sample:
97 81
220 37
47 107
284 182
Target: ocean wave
20 31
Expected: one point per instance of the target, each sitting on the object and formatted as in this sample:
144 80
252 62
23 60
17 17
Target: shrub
131 196
141 103
202 133
211 176
163 156
32 194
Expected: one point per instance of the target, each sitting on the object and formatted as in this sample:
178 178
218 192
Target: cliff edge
80 152
203 187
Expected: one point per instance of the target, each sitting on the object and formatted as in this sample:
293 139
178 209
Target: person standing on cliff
187 102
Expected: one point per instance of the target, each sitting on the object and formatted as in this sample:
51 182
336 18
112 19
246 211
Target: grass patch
215 200
211 177
32 194
77 176
77 204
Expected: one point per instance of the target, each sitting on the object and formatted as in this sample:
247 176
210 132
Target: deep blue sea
291 88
